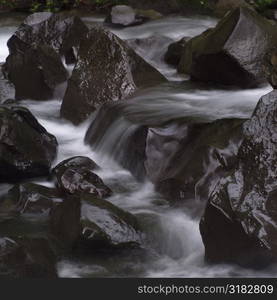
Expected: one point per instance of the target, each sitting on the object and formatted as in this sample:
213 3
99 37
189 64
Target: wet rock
28 198
123 15
26 257
104 224
34 65
186 158
75 176
6 88
175 51
35 71
223 56
239 224
107 70
94 223
26 148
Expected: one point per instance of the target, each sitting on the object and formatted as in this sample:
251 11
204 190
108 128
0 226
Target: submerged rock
107 70
26 148
233 52
34 64
75 176
240 221
185 159
26 257
94 223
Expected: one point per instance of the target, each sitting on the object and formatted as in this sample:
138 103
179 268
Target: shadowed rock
240 221
26 148
233 52
34 64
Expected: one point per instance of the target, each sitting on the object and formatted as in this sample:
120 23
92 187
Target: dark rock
34 65
75 176
175 51
185 158
106 70
94 223
26 148
6 88
35 71
223 56
239 224
104 224
28 198
26 257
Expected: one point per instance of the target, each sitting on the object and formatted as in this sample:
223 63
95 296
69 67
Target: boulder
75 176
92 223
123 16
175 51
28 198
26 149
34 64
35 71
26 257
233 52
6 88
186 158
107 70
239 224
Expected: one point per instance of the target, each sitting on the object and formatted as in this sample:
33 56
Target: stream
174 246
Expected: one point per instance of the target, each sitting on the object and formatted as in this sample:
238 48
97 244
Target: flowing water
174 247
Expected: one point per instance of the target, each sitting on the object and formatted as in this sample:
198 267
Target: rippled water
174 247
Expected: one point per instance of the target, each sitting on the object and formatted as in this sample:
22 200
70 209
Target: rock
175 51
6 88
225 54
26 257
132 155
148 14
224 6
75 176
28 198
186 158
270 67
239 224
95 223
34 65
123 15
26 149
104 224
35 71
106 70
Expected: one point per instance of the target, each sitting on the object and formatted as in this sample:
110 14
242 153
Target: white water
175 243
